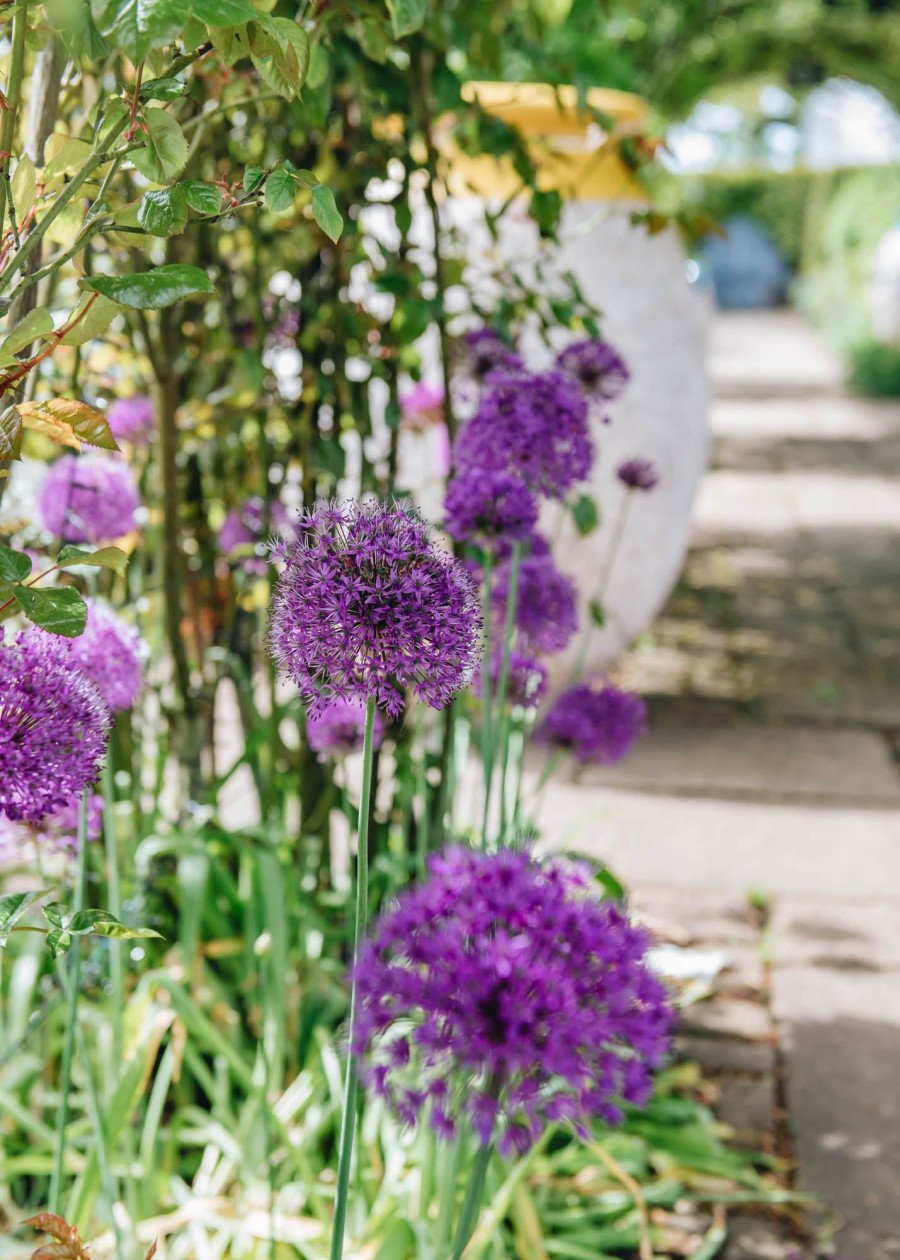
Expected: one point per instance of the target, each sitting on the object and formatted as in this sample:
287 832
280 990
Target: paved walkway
771 768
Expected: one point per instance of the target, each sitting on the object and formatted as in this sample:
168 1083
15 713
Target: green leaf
69 421
253 178
12 907
597 614
279 191
102 923
136 26
14 565
163 212
610 885
165 150
585 515
96 321
279 49
162 90
60 611
202 198
152 290
326 213
37 323
106 558
11 434
225 12
54 912
407 16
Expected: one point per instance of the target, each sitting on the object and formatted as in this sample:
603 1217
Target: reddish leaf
68 1245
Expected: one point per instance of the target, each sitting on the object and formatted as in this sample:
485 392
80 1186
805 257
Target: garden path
771 767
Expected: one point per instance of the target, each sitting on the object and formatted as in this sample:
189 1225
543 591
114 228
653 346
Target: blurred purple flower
638 474
597 726
533 425
53 726
245 527
367 606
546 608
110 653
525 684
598 368
340 728
483 506
487 351
504 987
422 404
55 833
89 498
131 419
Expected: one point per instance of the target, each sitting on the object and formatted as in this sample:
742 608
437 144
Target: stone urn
650 314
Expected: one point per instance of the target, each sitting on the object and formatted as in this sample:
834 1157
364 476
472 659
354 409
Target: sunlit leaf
105 558
165 149
56 415
12 907
152 290
326 213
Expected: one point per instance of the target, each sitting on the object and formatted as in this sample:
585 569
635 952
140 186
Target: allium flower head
503 986
533 425
481 507
526 679
245 526
367 606
487 351
131 419
422 405
638 474
597 726
53 726
340 728
546 607
89 498
111 654
598 368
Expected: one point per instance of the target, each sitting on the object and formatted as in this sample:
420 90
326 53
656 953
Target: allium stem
486 732
351 1080
72 988
502 724
471 1206
609 561
114 905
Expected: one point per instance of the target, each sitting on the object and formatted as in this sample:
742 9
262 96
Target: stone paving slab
775 352
758 763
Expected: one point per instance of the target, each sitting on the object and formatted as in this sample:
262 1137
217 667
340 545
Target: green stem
502 723
74 984
351 1081
106 1176
606 574
468 1216
14 88
114 904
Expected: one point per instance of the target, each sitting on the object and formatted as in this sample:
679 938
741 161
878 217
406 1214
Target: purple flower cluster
245 527
110 653
526 679
340 728
53 726
597 726
596 366
503 986
638 474
368 606
489 505
131 419
89 498
533 425
487 351
546 605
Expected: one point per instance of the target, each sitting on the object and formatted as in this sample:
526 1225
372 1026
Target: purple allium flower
245 526
546 607
367 606
533 425
595 725
482 506
89 498
503 986
340 728
422 405
53 726
110 653
525 684
487 351
131 419
596 367
638 474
